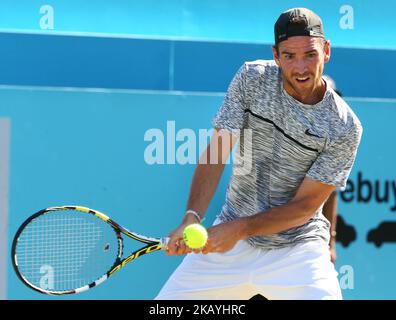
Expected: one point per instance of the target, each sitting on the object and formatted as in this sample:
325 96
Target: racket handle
164 242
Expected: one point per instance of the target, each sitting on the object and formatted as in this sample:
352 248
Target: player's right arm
204 184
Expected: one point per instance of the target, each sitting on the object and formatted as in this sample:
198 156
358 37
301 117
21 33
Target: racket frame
152 245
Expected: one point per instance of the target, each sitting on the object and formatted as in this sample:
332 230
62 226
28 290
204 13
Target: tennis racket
70 249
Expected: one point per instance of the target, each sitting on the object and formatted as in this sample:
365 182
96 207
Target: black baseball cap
298 22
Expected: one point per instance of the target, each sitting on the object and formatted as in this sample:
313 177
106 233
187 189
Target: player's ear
275 51
327 51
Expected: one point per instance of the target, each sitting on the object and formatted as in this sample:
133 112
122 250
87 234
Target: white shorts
303 271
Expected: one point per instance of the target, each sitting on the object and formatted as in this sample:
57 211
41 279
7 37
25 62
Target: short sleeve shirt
282 141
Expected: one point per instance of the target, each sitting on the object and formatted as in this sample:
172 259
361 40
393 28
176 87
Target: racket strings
64 250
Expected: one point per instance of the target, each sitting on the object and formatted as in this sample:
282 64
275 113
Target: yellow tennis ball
195 236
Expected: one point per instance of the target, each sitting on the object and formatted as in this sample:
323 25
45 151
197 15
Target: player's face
302 60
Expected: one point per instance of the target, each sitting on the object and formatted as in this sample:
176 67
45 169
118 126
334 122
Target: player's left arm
309 197
330 170
330 213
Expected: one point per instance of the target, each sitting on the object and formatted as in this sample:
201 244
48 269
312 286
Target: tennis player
271 237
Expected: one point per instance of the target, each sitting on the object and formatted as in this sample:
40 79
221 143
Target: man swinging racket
271 237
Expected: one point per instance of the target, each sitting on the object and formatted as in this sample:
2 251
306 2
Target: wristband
195 214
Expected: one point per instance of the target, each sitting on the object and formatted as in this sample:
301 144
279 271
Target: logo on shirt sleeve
308 132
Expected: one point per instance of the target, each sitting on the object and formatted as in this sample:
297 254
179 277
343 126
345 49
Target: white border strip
124 36
163 92
367 99
110 90
171 38
4 177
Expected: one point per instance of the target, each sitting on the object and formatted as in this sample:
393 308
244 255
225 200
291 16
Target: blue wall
363 210
98 62
87 148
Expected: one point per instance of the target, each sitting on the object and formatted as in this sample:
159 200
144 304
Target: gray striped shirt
289 140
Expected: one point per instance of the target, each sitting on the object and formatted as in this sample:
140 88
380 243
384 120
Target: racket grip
164 242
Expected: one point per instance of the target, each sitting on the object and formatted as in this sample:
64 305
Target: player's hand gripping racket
70 249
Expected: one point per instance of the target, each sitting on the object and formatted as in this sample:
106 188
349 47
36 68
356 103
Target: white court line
4 177
110 91
368 99
156 92
130 36
173 38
